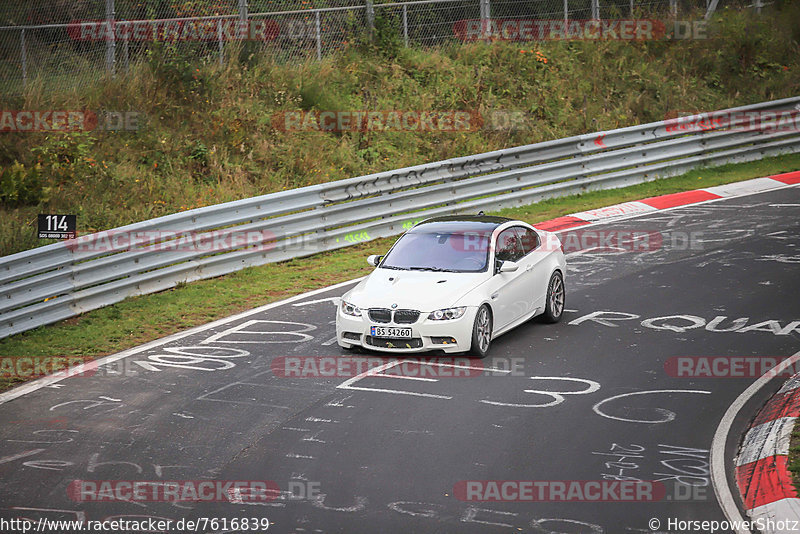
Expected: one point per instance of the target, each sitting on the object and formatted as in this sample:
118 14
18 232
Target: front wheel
554 303
482 332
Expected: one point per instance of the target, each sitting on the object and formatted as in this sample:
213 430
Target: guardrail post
405 24
110 37
319 37
24 58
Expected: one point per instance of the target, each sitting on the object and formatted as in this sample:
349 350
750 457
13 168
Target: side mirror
508 267
374 260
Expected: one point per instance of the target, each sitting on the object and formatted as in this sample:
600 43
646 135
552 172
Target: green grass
141 319
793 463
207 135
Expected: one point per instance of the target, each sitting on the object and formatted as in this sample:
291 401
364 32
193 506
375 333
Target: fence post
405 24
370 18
110 38
566 12
673 8
24 58
319 37
631 3
595 9
220 44
242 12
758 4
711 8
486 17
125 47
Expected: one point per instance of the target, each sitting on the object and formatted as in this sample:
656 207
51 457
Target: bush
21 186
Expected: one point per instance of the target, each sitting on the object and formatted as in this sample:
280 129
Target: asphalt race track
587 399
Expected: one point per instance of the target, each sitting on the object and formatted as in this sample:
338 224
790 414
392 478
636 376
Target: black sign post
58 226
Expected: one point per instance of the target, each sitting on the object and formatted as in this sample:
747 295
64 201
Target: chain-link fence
65 43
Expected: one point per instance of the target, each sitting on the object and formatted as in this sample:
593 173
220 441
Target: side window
508 247
529 238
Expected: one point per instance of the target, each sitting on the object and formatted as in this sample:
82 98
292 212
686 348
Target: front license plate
389 331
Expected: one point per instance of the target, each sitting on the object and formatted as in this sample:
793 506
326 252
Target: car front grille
380 315
384 315
406 316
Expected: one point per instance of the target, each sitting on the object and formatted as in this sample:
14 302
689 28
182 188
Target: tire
481 332
554 302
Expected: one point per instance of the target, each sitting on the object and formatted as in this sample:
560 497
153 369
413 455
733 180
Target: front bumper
454 335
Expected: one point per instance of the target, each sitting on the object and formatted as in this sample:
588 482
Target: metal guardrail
55 282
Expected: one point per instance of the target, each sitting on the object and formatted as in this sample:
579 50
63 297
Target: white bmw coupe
454 283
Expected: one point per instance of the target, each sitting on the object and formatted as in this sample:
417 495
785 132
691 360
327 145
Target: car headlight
351 309
447 314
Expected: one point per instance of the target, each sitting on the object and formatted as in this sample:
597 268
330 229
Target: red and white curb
762 475
627 209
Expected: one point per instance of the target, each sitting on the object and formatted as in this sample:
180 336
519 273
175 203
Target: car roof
460 223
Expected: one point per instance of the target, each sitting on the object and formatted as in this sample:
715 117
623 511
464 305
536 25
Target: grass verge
794 458
141 319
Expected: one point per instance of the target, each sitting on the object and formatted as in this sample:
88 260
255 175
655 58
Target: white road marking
335 300
668 415
375 372
403 377
319 420
494 369
25 454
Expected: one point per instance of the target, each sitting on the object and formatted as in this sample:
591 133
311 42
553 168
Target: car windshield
463 252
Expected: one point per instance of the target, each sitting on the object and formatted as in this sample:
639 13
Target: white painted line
375 372
403 377
25 454
397 392
39 383
493 369
313 419
719 478
614 211
755 185
335 300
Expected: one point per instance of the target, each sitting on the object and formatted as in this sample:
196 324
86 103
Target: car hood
416 290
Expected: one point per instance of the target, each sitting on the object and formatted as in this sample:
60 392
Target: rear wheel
482 332
554 303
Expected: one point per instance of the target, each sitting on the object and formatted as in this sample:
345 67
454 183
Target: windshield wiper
434 269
